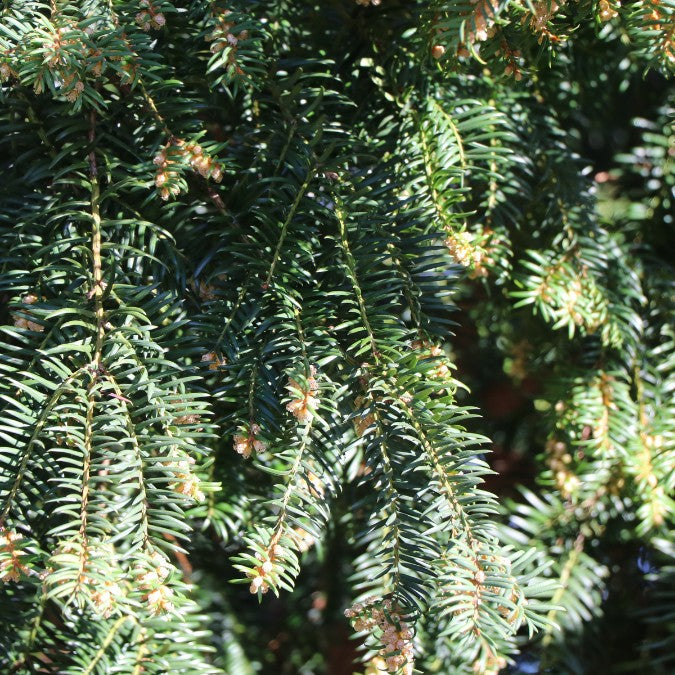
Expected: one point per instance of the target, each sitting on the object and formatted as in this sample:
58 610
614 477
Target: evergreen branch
351 268
142 648
284 227
39 425
565 575
458 139
290 485
107 642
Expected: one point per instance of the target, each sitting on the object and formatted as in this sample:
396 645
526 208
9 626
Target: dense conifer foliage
336 336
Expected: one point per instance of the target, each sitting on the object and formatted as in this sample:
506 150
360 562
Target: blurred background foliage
498 174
